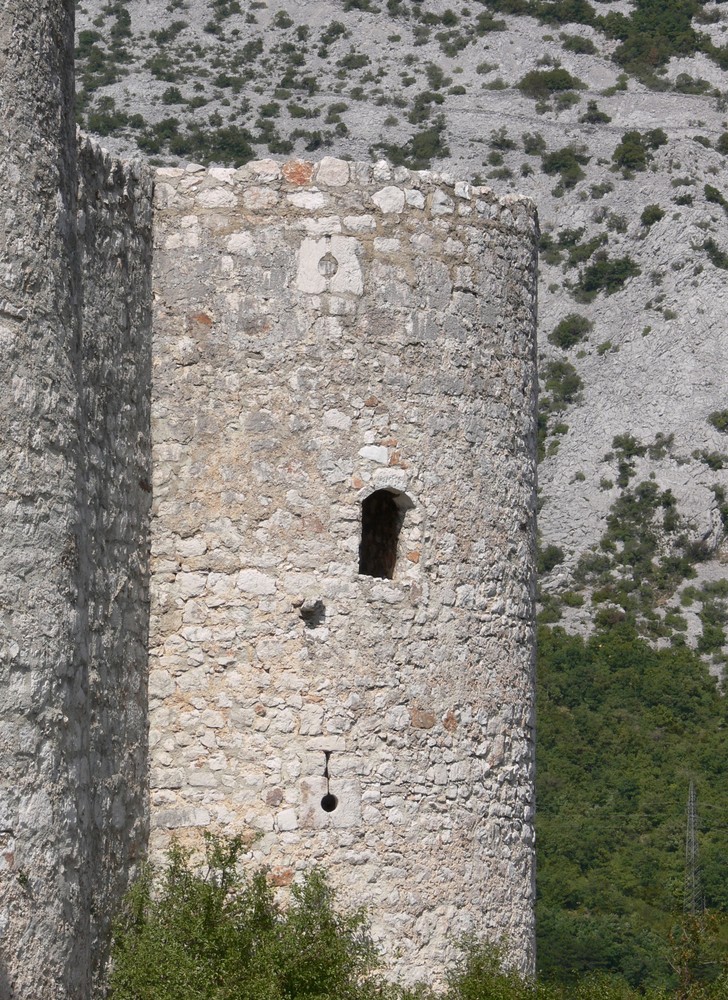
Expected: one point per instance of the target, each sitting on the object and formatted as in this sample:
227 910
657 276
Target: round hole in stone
328 265
329 802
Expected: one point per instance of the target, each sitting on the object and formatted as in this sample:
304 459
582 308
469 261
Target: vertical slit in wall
382 517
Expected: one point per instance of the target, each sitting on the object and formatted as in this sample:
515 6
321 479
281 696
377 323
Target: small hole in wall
313 613
329 802
328 265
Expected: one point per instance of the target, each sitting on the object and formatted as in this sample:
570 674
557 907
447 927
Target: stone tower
341 641
343 537
74 500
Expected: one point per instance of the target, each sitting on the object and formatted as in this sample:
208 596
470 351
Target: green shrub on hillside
570 330
606 275
567 163
593 115
579 44
485 23
650 215
562 381
549 557
542 84
634 152
534 143
420 149
715 196
719 420
717 256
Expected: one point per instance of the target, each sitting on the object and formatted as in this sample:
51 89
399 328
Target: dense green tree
622 729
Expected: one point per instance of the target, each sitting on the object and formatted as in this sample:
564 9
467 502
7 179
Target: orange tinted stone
297 171
281 876
450 722
423 720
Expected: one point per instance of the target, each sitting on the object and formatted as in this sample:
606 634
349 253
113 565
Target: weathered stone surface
389 200
310 350
353 346
75 491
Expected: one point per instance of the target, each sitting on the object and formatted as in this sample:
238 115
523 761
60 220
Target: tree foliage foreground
211 932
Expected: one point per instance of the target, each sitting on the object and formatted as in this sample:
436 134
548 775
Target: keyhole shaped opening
329 802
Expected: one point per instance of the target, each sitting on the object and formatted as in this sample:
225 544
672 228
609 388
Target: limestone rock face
337 342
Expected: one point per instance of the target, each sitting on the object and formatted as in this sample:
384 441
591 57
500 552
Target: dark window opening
382 517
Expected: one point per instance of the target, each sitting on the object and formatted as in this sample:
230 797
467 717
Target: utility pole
693 900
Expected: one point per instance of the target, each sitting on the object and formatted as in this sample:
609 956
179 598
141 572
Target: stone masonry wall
114 245
75 343
322 332
44 939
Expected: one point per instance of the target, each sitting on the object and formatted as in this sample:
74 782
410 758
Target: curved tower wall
323 332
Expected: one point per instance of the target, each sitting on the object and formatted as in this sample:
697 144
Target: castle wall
323 332
114 244
74 504
44 925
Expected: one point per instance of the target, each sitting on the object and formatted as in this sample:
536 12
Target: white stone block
267 170
216 197
330 264
311 720
190 584
259 198
310 200
375 453
333 172
442 204
212 719
415 199
337 419
223 174
241 243
360 223
389 200
383 245
287 820
324 226
251 581
335 744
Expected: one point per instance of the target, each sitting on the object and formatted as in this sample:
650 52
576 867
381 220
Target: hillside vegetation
613 116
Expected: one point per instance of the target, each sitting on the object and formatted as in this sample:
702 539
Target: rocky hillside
614 118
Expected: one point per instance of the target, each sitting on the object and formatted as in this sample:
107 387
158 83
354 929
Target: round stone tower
343 538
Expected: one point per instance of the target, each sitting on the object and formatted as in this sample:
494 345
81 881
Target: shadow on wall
6 990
